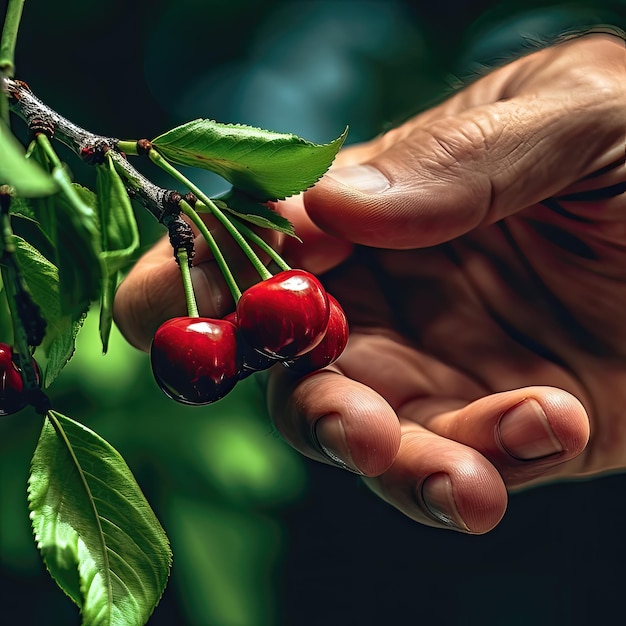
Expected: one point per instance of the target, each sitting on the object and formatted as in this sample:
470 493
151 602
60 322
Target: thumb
426 183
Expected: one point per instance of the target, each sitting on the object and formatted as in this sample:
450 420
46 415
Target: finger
528 434
438 177
313 250
455 464
442 483
334 419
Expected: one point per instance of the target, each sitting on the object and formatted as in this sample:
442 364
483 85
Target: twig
87 145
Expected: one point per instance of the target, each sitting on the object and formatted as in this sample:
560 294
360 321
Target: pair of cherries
13 396
288 318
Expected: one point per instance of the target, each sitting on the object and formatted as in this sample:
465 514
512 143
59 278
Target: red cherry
12 395
251 360
195 359
284 316
331 346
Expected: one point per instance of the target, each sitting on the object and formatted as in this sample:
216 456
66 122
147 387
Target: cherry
251 360
13 397
195 359
284 316
331 346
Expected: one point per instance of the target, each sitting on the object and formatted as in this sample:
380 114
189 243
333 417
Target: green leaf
120 239
118 226
266 165
25 176
98 536
77 248
247 209
22 207
42 278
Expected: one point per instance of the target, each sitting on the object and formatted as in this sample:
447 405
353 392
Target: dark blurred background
260 535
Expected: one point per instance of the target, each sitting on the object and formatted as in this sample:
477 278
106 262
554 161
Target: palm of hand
508 306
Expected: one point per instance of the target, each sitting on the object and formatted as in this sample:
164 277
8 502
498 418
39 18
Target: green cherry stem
190 297
156 158
261 243
9 37
86 215
190 212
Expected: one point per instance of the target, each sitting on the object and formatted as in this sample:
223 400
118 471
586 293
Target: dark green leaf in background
97 534
120 239
42 279
266 165
78 248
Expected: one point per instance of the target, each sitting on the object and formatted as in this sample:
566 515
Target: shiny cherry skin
195 359
331 346
251 360
284 316
12 395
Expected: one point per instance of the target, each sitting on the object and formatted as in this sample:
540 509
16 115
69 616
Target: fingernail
439 500
525 433
331 437
364 178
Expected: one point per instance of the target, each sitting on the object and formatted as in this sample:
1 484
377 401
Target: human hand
487 310
485 320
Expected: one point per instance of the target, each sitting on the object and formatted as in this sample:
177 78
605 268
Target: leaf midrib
56 424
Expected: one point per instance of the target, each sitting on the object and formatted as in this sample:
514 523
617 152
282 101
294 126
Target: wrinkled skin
480 255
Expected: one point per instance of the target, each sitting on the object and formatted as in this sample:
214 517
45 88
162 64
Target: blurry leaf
266 165
25 176
226 563
120 239
235 455
98 536
245 208
42 278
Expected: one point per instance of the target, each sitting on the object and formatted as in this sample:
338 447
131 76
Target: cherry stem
261 243
190 297
192 214
156 158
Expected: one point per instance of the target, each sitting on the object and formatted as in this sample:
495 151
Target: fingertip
461 506
444 484
568 419
333 419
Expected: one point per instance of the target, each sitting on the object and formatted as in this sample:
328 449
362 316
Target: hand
487 312
485 300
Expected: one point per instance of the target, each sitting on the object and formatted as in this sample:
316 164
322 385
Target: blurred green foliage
219 477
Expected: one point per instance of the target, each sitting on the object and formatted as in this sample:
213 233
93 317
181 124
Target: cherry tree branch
90 147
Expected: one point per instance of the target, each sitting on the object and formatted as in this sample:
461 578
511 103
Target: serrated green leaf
120 239
98 536
247 209
266 165
23 207
25 176
42 279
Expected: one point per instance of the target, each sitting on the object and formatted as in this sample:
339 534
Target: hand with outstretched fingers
479 251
